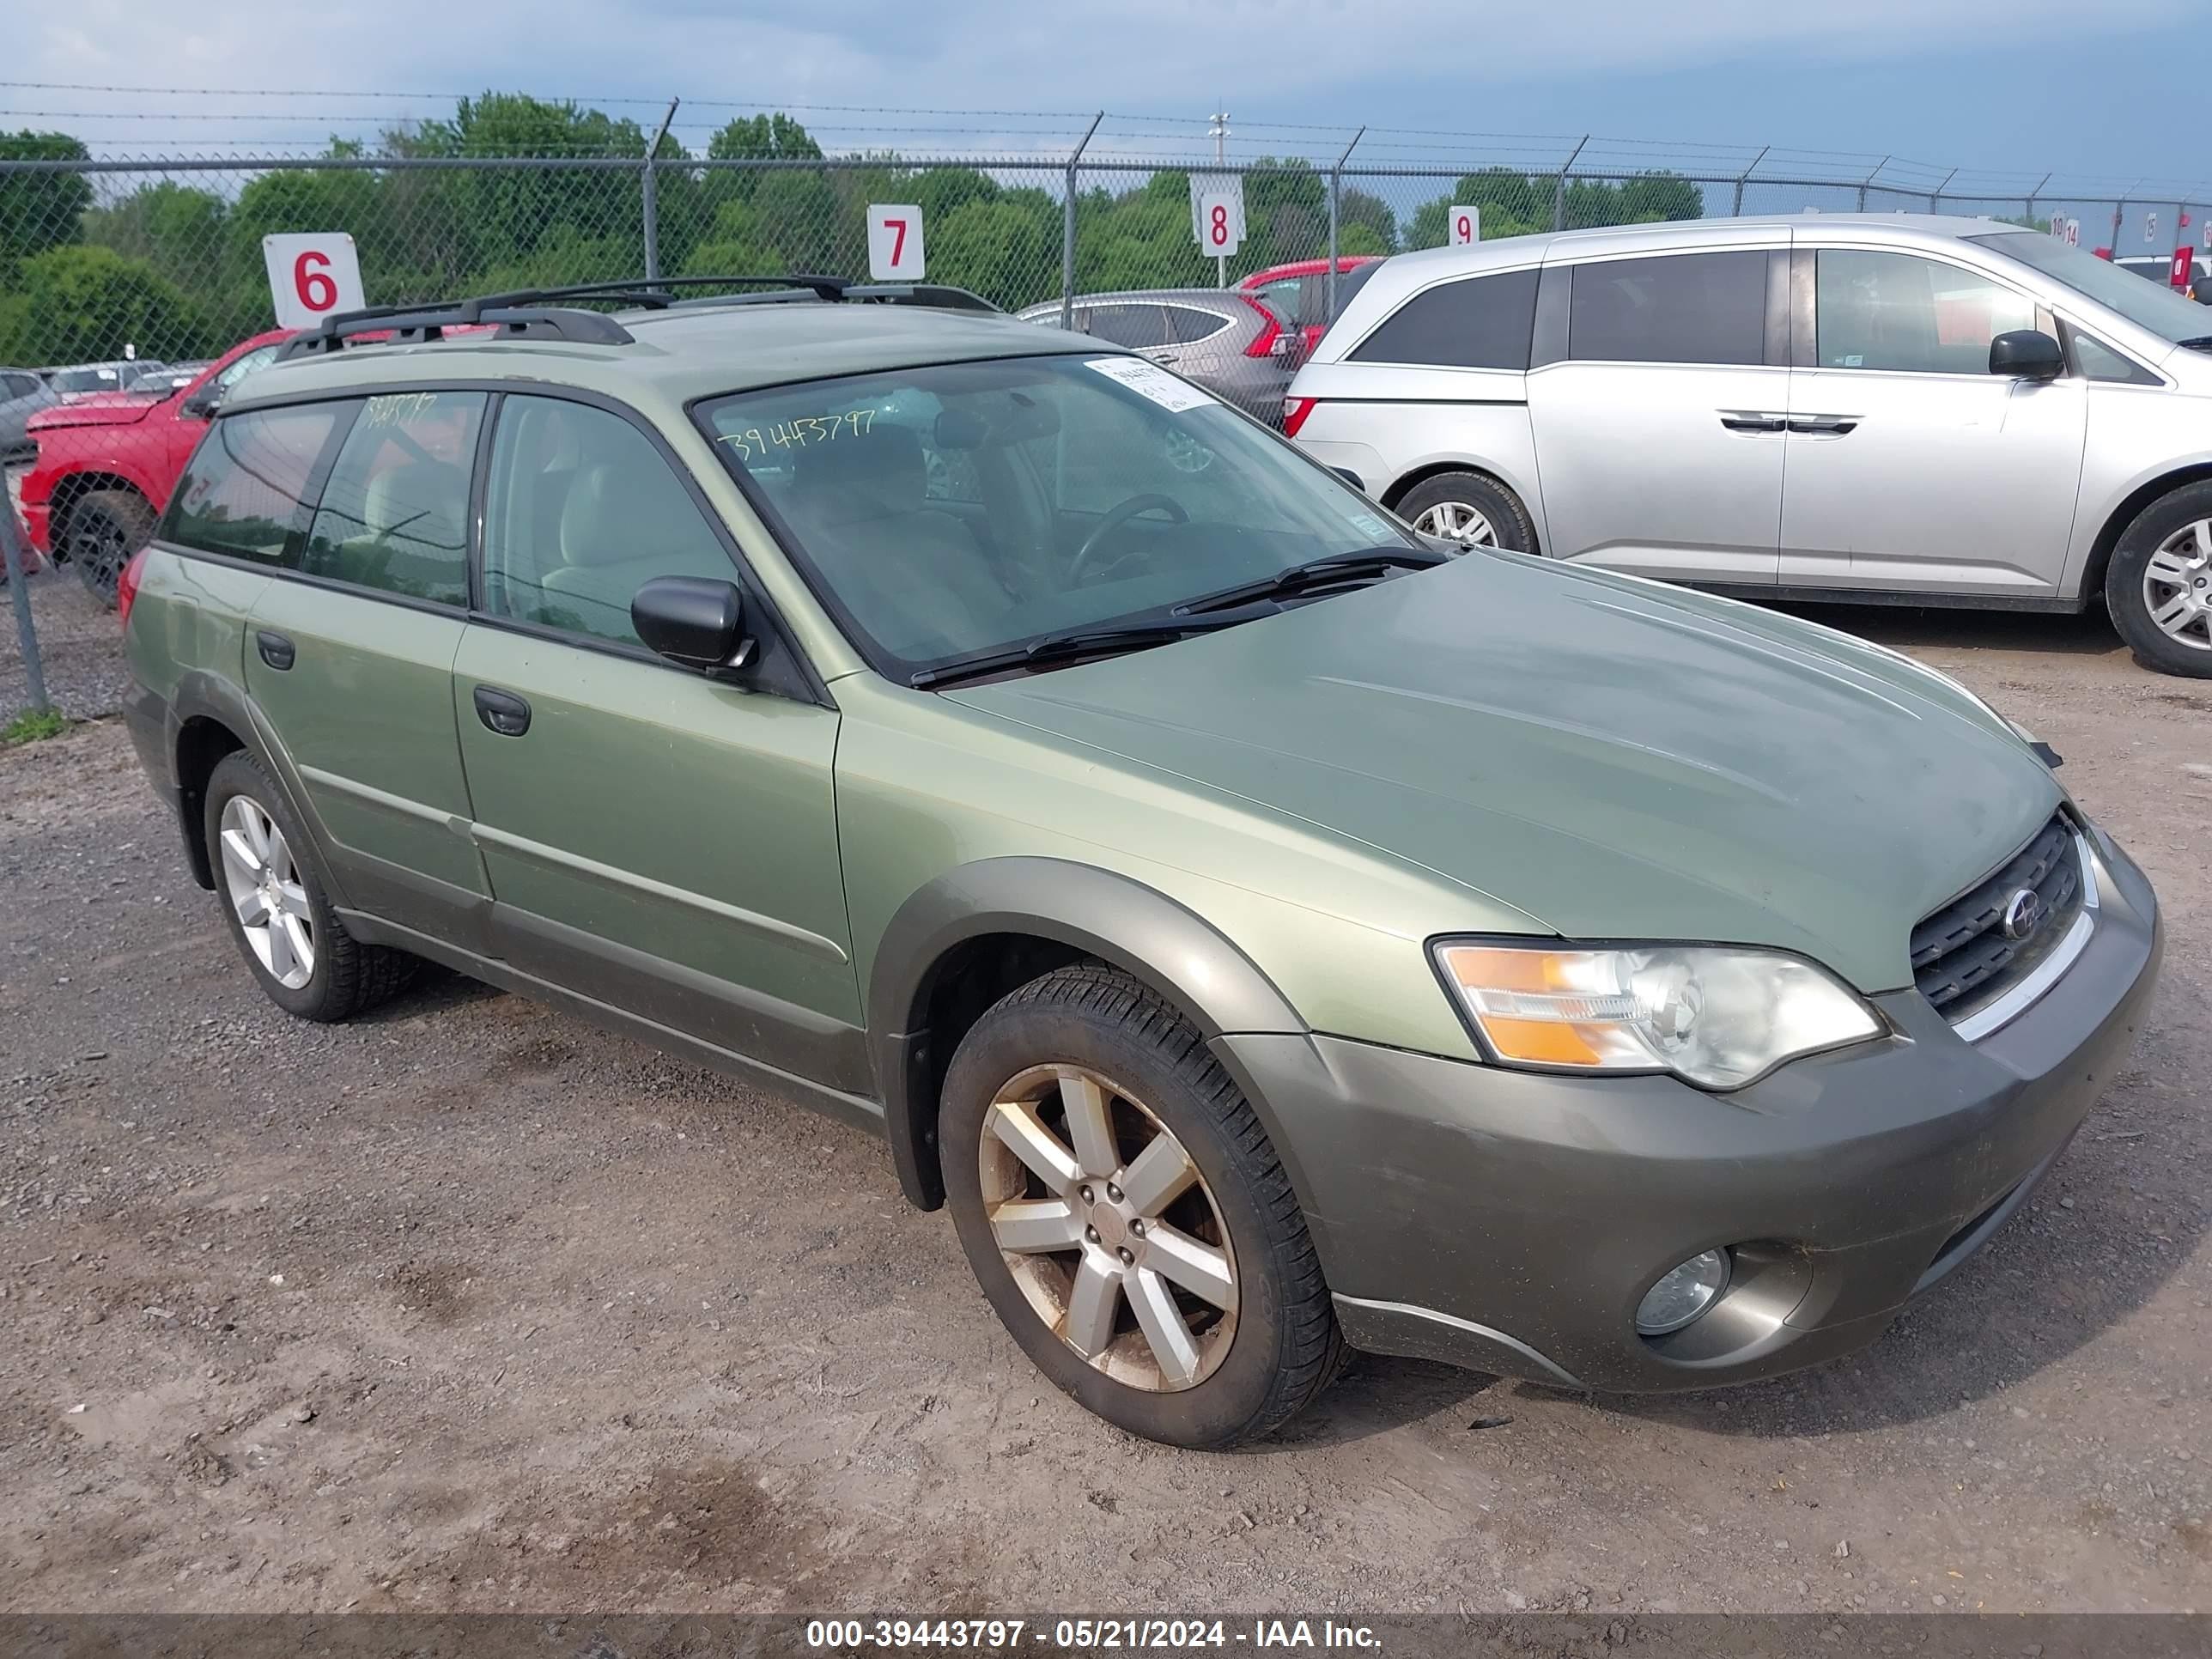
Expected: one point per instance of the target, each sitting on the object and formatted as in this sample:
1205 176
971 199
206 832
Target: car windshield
2147 305
962 509
85 380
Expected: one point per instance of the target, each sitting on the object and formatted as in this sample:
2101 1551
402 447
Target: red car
1300 290
106 463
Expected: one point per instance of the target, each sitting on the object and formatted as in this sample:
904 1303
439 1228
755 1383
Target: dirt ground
469 1306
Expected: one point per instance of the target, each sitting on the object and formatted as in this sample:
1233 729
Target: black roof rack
526 312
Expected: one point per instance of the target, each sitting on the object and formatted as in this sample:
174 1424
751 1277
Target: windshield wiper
1332 571
2197 343
1077 642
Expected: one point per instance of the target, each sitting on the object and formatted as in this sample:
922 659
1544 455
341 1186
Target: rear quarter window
245 492
1478 322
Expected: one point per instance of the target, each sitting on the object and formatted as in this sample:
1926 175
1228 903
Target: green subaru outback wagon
1268 934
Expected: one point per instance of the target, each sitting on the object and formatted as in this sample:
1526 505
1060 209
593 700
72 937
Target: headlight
1715 1017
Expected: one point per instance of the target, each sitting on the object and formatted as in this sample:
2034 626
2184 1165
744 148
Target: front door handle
276 650
1753 420
1830 425
502 712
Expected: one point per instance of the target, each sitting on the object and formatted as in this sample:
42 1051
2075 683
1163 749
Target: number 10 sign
894 242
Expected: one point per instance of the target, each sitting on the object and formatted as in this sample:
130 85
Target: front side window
1898 311
1678 308
245 492
580 511
1105 488
1479 322
394 513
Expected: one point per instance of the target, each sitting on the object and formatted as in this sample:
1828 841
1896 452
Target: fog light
1683 1293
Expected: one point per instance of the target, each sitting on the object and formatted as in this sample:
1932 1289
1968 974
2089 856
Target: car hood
98 409
1617 759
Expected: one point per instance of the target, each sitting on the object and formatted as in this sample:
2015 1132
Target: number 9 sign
311 276
1466 226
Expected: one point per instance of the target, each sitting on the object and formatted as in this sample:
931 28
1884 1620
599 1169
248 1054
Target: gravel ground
80 649
468 1306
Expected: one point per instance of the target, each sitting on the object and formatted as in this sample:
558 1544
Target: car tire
1471 507
1258 1339
105 527
2162 568
299 952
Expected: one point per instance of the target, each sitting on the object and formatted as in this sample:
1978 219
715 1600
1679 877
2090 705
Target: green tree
514 212
89 304
1356 208
41 210
1006 249
181 232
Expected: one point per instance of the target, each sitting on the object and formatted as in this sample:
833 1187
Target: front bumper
1511 1222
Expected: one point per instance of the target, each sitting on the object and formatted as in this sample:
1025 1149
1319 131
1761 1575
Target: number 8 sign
1220 222
312 276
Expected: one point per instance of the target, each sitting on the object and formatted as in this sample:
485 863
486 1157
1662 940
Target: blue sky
2108 88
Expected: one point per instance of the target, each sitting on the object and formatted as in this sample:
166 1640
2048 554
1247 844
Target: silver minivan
1902 407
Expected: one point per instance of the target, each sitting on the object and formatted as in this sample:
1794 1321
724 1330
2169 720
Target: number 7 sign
895 242
312 276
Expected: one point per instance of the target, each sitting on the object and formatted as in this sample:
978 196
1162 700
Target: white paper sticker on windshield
1151 381
1368 525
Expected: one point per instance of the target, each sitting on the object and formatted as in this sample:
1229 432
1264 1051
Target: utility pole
1219 133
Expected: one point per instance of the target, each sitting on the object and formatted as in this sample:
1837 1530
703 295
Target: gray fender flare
202 695
1168 946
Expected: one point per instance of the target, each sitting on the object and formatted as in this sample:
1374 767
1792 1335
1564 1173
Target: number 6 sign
312 276
1466 226
895 242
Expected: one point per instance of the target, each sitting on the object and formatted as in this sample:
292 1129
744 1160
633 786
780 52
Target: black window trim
800 683
1767 322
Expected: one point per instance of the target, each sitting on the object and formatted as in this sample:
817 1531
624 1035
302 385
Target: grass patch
33 725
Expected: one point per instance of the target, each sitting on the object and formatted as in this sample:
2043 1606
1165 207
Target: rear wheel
278 913
105 527
1470 508
2159 585
1127 1218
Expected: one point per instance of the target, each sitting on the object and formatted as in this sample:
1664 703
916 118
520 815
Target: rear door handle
276 650
1753 420
502 712
1832 425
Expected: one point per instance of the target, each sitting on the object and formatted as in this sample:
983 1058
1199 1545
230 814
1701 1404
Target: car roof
1198 297
677 355
1345 263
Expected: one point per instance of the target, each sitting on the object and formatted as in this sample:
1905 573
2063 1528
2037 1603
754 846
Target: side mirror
202 404
2027 354
1351 477
692 621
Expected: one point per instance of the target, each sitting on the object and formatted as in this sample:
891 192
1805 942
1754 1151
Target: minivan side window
1673 308
244 493
1479 322
580 511
1897 310
394 514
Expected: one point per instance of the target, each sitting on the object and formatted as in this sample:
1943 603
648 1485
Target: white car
1917 410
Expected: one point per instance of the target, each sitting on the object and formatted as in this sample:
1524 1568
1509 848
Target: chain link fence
123 275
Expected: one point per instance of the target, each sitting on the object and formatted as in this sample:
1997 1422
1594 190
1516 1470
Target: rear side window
394 514
245 493
1682 308
1130 326
1483 322
1190 325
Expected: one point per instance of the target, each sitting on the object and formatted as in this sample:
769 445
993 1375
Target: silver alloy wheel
2178 585
265 890
1108 1227
1457 521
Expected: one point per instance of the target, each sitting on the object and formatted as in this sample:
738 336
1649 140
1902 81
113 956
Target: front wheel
1471 508
2159 585
105 527
1127 1216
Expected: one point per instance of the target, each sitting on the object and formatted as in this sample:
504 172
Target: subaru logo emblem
2023 914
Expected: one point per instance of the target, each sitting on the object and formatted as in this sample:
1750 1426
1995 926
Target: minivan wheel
2158 587
279 917
105 527
1127 1216
1469 508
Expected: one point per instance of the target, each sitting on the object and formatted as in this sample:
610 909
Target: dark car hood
1615 758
